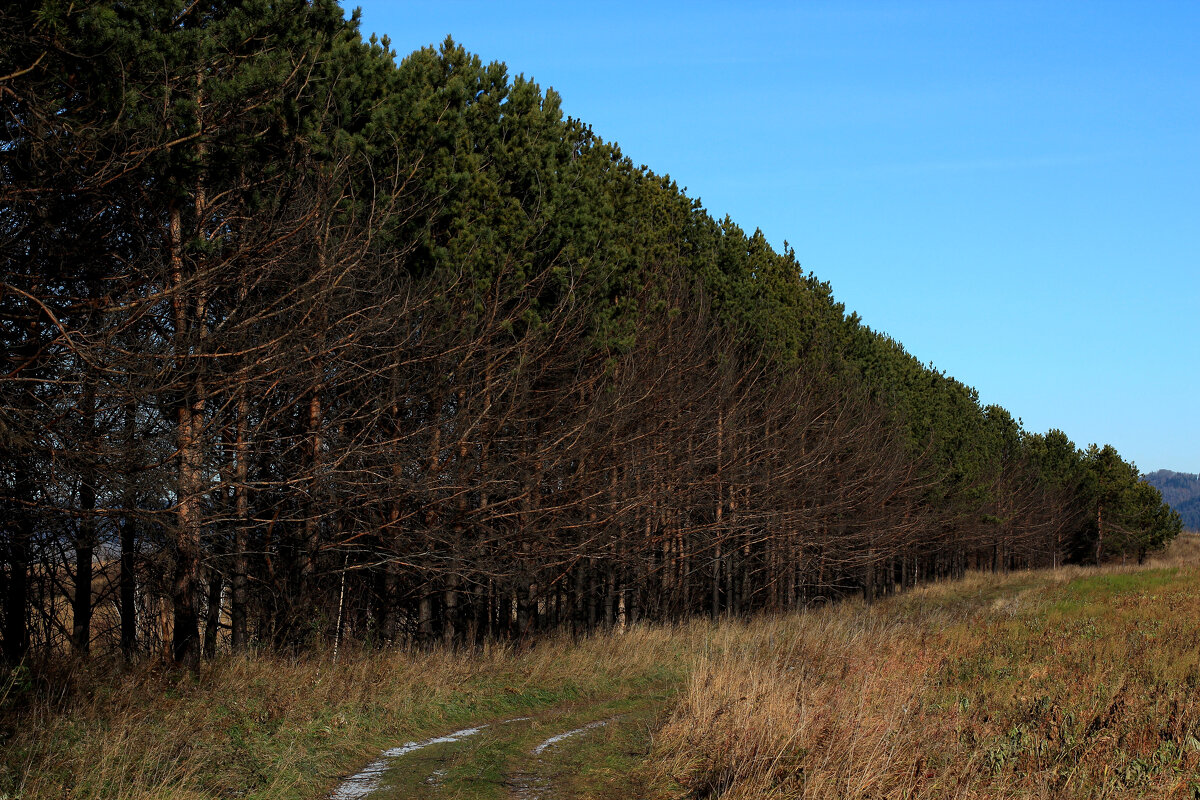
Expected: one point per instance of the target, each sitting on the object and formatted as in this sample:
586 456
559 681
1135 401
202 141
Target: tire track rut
508 757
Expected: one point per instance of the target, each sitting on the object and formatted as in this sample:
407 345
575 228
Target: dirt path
592 751
537 784
369 780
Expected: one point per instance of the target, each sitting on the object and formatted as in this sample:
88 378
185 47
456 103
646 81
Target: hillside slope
1181 491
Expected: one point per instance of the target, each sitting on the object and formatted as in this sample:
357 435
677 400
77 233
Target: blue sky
1010 189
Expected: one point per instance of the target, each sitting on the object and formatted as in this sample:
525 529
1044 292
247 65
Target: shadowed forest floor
1073 683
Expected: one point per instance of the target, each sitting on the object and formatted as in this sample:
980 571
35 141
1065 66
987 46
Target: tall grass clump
1071 683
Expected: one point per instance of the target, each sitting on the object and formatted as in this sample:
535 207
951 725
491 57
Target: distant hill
1181 491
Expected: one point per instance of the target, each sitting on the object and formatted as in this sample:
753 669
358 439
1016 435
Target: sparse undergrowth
1073 683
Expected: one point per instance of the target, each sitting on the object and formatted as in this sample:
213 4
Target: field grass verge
264 726
1065 684
1059 684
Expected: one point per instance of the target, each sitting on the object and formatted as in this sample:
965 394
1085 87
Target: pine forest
305 343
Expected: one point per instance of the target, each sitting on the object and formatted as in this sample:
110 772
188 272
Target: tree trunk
185 644
16 596
715 602
127 580
425 619
718 532
212 622
238 638
312 507
128 587
85 544
450 611
873 579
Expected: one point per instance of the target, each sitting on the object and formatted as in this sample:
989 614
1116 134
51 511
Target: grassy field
1073 683
1066 684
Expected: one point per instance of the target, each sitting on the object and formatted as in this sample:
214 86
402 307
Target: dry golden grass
1184 551
1066 684
786 706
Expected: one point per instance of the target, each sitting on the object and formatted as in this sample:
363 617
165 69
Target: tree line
1181 491
303 343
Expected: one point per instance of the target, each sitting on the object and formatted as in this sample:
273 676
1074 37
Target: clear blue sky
1010 189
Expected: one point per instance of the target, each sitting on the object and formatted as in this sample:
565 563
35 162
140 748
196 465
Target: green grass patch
1101 588
501 758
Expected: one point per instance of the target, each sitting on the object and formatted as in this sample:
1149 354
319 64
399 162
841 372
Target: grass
1057 684
601 762
1063 684
272 727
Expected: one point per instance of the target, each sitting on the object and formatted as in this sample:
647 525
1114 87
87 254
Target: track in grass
536 785
367 781
589 751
